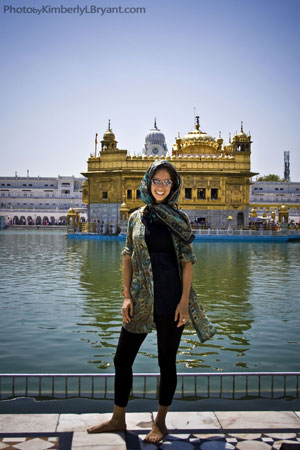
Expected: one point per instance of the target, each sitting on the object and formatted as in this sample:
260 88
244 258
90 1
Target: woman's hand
182 313
182 310
127 309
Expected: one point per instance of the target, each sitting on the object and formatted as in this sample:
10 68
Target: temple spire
109 125
242 127
155 126
197 125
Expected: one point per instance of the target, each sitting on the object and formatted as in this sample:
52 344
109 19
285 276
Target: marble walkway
241 430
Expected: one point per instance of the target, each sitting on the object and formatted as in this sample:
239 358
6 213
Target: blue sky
64 75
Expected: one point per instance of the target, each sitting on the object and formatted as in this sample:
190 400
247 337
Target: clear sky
64 75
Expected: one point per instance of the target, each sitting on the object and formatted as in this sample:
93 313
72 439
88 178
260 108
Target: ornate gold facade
215 178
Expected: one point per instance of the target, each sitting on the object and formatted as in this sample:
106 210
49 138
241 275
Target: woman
157 275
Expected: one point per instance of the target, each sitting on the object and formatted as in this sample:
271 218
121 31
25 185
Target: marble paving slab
30 423
191 420
139 421
258 419
81 422
86 440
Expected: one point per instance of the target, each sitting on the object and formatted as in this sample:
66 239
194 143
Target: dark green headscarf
166 212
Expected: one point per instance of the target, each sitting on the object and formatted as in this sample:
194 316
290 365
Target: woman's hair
173 174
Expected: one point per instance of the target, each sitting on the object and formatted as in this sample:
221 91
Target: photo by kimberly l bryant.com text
80 10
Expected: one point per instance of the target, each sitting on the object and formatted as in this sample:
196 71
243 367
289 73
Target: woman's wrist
126 293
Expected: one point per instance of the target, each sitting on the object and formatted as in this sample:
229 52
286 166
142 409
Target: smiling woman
157 275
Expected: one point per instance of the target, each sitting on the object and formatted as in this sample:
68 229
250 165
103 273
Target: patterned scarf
177 222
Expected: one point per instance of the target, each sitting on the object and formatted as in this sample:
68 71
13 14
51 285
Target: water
60 303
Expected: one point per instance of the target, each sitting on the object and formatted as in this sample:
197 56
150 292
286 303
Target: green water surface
60 303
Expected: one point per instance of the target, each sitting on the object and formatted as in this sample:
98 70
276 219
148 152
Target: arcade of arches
29 219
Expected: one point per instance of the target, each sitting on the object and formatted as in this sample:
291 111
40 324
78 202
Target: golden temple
215 176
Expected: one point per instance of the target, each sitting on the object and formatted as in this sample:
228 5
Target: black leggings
168 339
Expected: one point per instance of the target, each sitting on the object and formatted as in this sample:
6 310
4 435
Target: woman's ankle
119 414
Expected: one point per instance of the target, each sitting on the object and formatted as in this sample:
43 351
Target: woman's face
160 192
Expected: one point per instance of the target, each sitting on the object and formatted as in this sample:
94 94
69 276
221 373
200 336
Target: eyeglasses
157 182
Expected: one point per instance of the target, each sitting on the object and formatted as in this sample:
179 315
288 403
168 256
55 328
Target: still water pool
60 304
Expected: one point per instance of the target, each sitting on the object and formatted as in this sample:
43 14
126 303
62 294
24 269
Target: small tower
229 148
220 141
241 141
177 147
124 211
108 142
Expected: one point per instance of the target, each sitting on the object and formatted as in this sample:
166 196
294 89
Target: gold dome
229 147
109 135
197 136
124 207
196 142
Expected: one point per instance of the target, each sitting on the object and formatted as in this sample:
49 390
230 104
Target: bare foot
110 425
156 434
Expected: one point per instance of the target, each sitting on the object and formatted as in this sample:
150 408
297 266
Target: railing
94 228
245 232
191 386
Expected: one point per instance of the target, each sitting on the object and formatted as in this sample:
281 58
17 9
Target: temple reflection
222 279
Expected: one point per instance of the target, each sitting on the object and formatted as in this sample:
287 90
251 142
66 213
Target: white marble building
266 195
40 200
